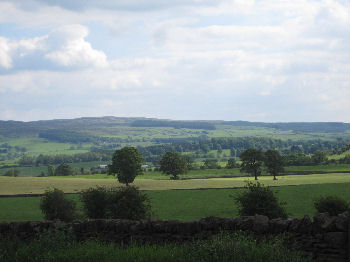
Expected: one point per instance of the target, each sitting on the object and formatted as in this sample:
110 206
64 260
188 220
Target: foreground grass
224 247
190 204
38 185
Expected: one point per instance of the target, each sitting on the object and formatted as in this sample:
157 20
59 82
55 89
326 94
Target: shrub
259 200
55 206
123 203
95 201
64 170
332 204
128 203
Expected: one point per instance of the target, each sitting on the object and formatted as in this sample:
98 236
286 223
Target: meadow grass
323 168
198 173
36 146
32 171
190 204
239 247
37 185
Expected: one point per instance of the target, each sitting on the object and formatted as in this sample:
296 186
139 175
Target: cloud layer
250 60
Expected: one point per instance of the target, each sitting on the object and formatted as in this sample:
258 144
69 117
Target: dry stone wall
325 238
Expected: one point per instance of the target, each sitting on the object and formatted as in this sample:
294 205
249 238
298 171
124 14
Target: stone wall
325 238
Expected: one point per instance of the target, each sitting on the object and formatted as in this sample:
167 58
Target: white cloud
256 60
5 58
73 50
65 47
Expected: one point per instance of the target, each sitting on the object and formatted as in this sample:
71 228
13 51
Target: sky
262 60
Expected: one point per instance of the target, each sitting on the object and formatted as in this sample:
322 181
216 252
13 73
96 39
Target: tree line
238 145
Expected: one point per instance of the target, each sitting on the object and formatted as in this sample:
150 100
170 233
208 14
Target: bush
55 206
123 203
259 200
332 204
128 203
95 201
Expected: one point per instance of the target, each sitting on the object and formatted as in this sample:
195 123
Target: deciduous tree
126 164
274 162
173 164
252 160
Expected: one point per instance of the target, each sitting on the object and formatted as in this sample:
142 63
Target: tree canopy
173 164
126 164
252 160
274 162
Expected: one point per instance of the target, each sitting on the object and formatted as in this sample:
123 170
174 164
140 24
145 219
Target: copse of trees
175 124
12 172
237 145
126 165
63 158
63 170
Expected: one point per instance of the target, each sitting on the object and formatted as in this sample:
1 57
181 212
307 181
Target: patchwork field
190 204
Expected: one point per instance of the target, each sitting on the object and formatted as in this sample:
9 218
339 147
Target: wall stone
325 239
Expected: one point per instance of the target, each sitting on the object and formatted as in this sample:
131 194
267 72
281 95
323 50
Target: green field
36 146
37 185
36 170
323 168
190 204
207 173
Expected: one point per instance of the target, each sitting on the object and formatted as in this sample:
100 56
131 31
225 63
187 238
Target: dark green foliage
274 162
252 160
64 136
175 124
123 203
210 164
50 170
334 205
126 164
231 163
95 202
259 200
128 203
319 157
189 161
238 247
173 164
63 170
12 172
54 205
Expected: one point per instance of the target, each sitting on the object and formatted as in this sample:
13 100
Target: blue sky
268 60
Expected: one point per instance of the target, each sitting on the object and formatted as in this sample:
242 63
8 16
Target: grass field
324 168
37 185
190 204
36 146
35 171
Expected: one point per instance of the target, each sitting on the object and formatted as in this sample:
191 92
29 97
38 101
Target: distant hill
92 124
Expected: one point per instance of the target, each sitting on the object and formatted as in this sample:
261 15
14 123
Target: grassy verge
224 247
190 204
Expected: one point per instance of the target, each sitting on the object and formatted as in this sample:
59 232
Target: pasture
190 204
37 185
